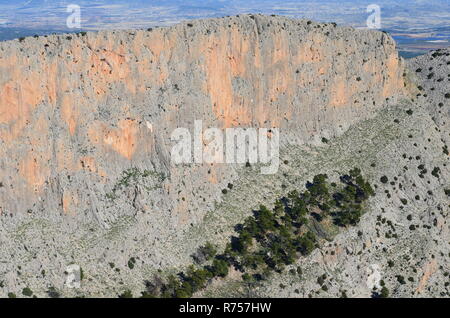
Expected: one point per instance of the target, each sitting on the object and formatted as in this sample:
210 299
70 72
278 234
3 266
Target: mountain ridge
85 150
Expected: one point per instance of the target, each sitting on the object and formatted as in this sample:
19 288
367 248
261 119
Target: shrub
306 243
401 279
436 172
27 292
349 217
53 293
384 292
146 294
321 279
126 294
196 279
220 268
204 253
265 219
185 291
131 262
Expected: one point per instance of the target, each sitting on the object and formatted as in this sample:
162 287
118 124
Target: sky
425 23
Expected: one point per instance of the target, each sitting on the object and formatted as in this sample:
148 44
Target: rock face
75 111
402 241
86 120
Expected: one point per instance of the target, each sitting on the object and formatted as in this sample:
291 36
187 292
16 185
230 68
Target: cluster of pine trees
272 239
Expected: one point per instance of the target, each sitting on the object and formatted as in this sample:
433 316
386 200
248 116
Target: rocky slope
402 241
86 176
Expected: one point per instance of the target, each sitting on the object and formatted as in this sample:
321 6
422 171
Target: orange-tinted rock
81 108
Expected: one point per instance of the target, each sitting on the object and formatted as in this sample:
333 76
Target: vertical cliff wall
78 111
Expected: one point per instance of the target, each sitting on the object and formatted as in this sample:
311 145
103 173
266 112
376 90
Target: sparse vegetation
401 279
134 176
126 294
131 262
384 292
27 292
436 171
205 253
273 238
53 293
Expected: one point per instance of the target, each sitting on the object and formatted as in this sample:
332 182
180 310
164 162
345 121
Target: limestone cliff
86 119
77 110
